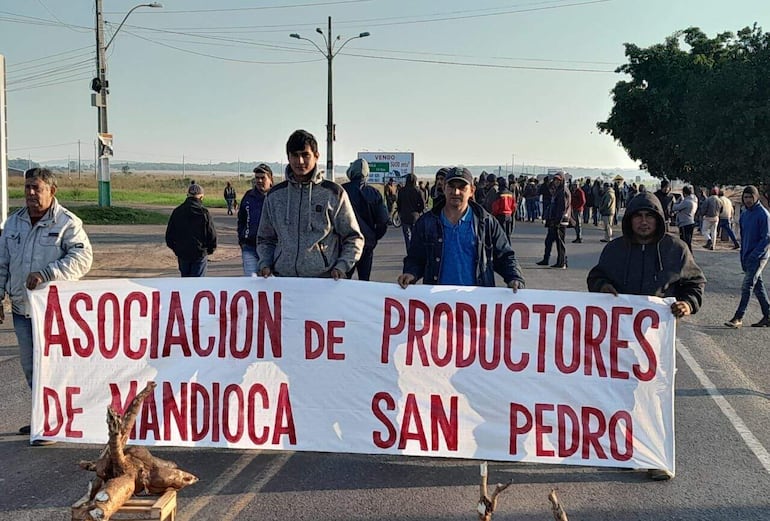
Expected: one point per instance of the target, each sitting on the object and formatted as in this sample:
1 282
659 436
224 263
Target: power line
261 8
13 66
220 57
51 84
481 65
43 146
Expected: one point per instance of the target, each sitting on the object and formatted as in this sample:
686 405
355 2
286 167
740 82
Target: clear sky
455 82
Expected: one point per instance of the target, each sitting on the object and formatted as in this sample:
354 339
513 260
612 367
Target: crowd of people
457 231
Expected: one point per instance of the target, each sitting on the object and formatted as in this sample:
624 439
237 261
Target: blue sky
222 80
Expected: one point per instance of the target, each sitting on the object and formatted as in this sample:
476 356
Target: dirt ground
139 251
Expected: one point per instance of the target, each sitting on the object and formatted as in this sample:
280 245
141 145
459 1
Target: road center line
749 439
266 475
225 478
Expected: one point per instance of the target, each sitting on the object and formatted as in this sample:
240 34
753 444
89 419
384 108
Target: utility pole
329 107
329 53
183 166
101 87
78 159
3 148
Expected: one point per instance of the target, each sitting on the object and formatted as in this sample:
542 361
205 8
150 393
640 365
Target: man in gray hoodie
308 228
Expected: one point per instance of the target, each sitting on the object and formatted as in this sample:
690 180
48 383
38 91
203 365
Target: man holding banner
647 261
41 242
459 243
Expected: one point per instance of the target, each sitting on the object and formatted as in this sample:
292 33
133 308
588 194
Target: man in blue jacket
249 213
459 243
755 241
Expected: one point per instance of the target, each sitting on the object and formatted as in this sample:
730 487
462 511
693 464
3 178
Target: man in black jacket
648 261
371 214
191 234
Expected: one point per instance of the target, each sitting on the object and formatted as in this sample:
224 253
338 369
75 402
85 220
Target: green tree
701 115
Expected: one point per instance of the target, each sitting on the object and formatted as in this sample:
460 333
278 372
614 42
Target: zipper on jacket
299 228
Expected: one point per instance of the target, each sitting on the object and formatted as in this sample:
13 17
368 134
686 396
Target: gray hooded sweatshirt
307 229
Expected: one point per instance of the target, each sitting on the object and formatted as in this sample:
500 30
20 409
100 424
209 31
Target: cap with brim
460 173
263 169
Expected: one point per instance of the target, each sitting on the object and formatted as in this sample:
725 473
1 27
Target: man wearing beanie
191 235
371 213
755 241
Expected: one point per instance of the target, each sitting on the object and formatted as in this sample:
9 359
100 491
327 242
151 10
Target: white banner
360 367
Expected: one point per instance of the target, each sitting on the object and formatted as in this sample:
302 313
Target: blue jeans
753 280
193 267
23 328
230 204
725 223
249 259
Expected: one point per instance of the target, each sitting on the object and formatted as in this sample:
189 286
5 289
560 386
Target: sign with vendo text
360 367
388 165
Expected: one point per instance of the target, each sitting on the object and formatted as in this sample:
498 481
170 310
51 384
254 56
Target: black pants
685 233
364 265
556 235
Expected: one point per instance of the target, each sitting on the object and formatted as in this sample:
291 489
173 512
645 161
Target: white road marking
267 474
749 439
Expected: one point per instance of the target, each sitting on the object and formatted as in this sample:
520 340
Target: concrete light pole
99 100
329 53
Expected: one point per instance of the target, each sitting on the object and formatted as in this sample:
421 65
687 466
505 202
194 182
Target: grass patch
117 215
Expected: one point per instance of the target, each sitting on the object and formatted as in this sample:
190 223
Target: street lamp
100 86
330 52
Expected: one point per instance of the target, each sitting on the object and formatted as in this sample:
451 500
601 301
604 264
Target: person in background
42 241
249 214
589 198
410 206
556 222
577 204
229 195
308 227
503 207
726 219
191 235
666 199
685 208
648 261
459 243
712 207
437 192
607 210
531 200
755 250
371 213
391 194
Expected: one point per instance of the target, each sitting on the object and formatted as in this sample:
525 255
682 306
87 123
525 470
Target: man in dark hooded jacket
371 213
648 261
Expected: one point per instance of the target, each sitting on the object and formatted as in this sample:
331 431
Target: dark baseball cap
459 172
263 168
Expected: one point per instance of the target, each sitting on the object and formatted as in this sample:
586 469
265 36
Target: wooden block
139 508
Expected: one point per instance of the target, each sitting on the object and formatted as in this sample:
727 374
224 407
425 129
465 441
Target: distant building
15 172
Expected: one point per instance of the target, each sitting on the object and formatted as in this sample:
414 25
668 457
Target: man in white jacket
41 242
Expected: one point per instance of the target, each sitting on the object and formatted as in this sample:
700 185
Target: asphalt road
722 428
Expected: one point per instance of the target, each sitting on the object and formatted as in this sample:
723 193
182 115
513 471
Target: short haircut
299 139
687 190
43 174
